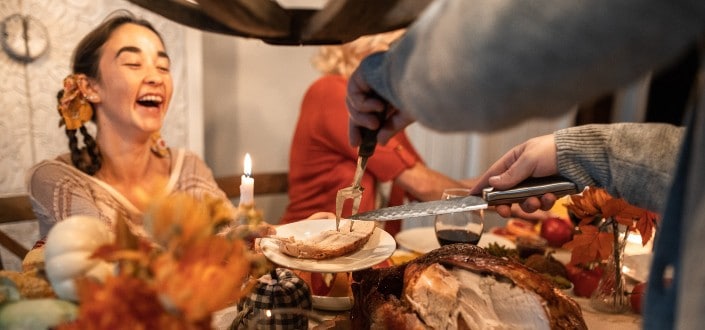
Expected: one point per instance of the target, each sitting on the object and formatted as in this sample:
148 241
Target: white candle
247 183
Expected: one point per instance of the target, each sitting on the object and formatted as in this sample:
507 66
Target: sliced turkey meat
329 243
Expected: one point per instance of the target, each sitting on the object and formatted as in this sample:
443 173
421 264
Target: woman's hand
534 158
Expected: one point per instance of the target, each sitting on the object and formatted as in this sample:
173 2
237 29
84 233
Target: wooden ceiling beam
186 13
348 20
260 18
339 21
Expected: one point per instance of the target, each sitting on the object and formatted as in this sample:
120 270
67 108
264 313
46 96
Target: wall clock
24 38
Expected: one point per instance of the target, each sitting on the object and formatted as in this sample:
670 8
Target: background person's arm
424 183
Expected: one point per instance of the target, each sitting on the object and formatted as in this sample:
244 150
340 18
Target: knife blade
529 188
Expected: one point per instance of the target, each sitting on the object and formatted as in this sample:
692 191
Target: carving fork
354 192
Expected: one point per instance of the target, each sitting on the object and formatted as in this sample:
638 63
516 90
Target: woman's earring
159 147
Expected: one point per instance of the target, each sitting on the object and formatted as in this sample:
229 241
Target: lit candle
247 183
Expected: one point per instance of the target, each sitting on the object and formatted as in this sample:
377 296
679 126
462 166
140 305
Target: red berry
637 297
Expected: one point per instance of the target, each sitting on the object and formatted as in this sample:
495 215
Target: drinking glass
461 227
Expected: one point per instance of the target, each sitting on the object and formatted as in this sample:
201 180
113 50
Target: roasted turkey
460 286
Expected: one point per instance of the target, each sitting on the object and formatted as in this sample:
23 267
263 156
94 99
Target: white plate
637 266
423 240
332 303
380 247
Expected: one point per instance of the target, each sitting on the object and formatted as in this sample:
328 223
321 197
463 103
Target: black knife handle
369 136
532 187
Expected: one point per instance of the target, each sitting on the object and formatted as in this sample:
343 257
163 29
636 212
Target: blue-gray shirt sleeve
634 161
486 64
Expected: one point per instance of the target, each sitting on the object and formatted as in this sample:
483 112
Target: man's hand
534 158
364 105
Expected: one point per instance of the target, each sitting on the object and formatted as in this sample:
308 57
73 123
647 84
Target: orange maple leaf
589 245
582 207
613 207
589 204
592 244
646 225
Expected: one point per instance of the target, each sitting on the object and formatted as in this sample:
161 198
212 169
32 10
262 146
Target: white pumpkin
67 252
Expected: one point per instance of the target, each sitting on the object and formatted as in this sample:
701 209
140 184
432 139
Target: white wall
252 93
466 155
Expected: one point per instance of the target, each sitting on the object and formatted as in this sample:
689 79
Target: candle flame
248 165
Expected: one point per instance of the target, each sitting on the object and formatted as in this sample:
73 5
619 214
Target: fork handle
369 136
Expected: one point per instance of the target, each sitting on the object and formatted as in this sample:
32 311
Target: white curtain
466 155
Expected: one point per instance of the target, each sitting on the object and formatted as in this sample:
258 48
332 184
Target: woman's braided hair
86 159
86 59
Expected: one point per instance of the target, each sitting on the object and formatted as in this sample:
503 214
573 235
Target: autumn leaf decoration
600 215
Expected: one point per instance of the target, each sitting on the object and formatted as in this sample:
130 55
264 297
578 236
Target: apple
584 280
637 297
556 231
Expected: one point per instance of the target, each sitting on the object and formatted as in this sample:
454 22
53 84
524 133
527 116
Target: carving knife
531 187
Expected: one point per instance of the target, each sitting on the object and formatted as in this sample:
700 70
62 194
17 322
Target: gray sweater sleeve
486 64
632 161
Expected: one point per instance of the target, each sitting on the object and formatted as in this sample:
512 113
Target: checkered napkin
279 289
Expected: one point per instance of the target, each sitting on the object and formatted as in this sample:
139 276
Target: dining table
418 237
320 318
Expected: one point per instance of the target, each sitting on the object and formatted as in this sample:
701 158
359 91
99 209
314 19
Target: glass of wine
461 227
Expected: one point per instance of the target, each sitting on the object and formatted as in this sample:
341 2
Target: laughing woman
120 81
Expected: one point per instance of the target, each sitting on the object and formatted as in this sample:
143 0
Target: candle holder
251 225
248 214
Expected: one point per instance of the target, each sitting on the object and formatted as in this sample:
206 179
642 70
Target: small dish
569 291
332 303
528 245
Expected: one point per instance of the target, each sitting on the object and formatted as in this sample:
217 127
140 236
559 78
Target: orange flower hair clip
73 107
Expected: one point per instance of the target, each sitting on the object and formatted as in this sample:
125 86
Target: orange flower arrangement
595 243
176 284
